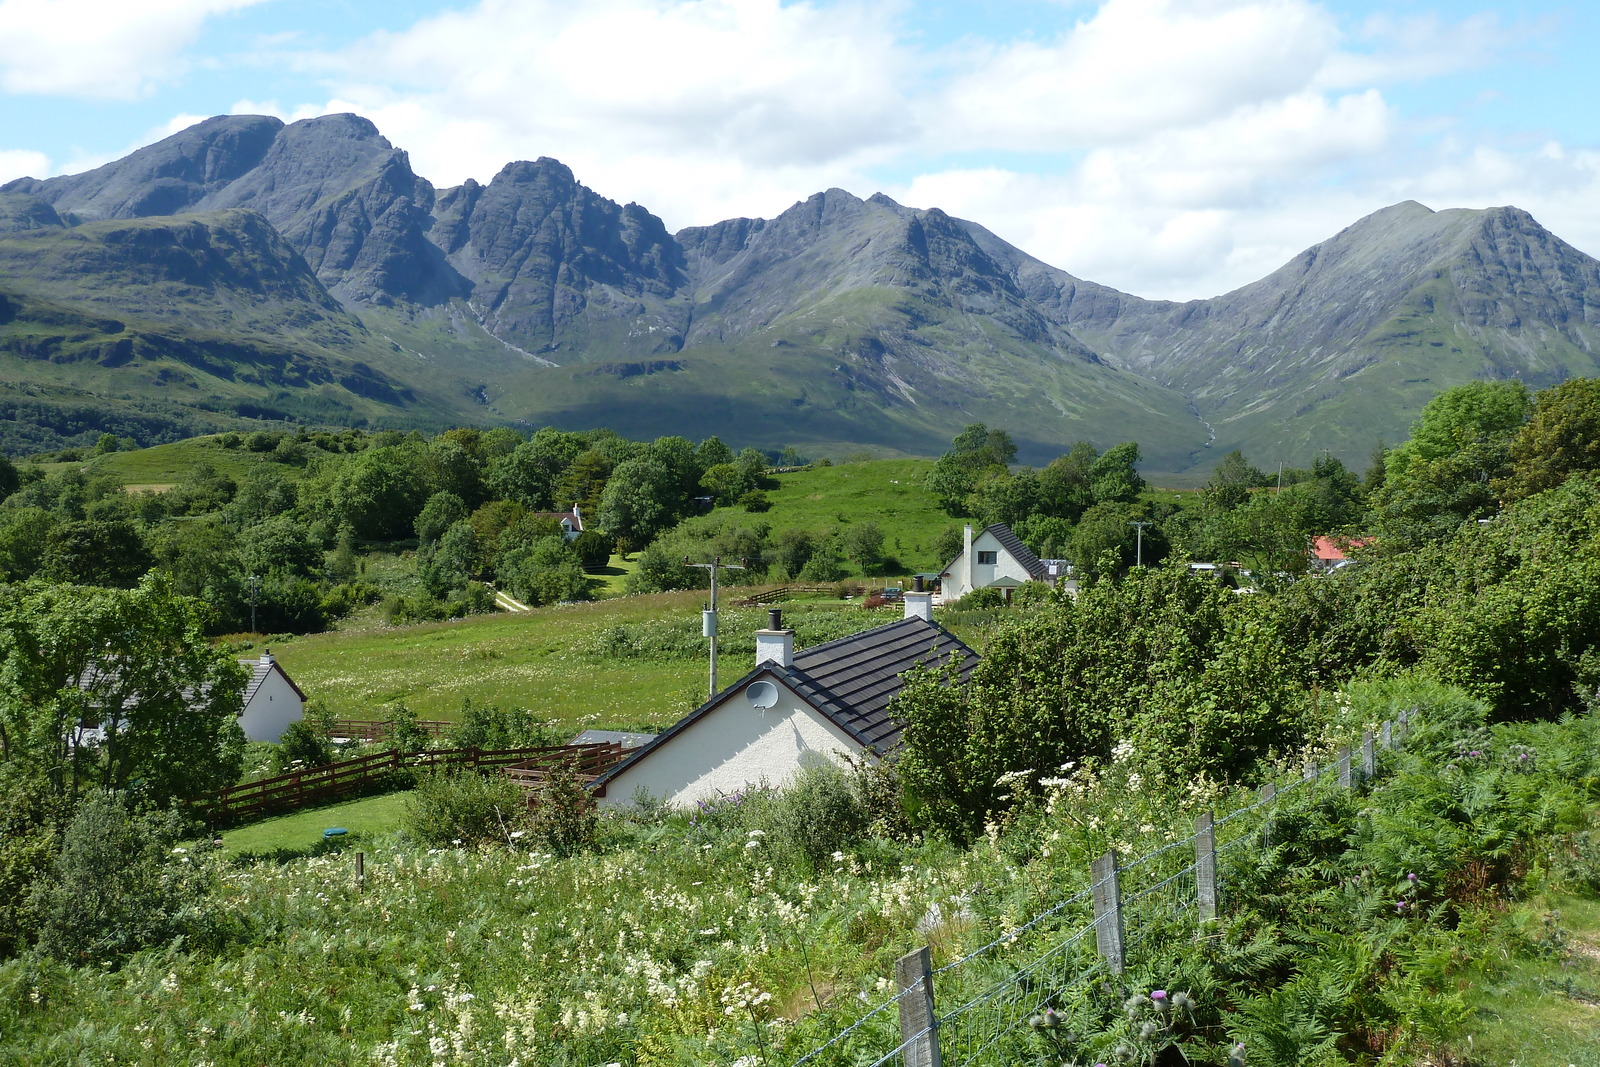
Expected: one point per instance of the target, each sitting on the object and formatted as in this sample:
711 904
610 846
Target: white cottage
792 711
271 699
994 559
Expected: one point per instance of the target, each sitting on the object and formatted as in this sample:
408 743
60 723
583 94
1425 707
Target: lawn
301 831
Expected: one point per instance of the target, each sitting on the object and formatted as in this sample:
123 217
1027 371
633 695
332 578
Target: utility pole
255 585
708 619
1139 533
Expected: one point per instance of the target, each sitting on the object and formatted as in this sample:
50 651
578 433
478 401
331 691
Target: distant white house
571 521
995 558
271 699
794 710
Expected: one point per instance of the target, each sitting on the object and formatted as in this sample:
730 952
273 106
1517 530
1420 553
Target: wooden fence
367 731
529 767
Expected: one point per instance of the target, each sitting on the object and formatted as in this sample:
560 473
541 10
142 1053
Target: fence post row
919 1025
919 1019
1108 912
1205 865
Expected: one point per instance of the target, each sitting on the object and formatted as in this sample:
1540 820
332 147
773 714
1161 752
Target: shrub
464 807
120 884
302 745
818 815
489 726
979 598
755 501
564 818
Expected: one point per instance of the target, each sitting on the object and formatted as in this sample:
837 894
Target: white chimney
266 657
919 602
775 644
972 576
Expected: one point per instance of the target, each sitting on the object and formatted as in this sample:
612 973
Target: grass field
534 660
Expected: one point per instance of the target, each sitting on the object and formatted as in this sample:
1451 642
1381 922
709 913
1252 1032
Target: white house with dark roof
996 558
271 699
794 710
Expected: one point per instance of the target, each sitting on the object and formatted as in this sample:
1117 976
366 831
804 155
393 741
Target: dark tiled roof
850 680
1019 551
855 677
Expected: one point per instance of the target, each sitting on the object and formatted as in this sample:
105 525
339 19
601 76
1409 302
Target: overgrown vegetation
1356 924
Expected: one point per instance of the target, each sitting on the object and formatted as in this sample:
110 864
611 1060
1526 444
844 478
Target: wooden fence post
1108 912
1205 865
1369 757
1268 793
361 869
1386 734
1309 772
919 1025
1344 767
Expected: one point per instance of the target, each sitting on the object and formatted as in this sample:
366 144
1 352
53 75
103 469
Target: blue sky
1171 148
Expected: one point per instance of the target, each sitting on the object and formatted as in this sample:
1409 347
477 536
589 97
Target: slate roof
850 680
259 673
1019 551
855 677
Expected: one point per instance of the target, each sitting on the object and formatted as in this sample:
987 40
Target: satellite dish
761 694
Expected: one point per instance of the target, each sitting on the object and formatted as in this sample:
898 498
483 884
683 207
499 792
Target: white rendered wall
1006 570
731 747
275 706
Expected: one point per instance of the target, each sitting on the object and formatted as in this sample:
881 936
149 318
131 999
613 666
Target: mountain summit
841 322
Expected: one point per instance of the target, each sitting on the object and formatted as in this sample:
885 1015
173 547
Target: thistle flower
1412 877
1236 1055
1159 998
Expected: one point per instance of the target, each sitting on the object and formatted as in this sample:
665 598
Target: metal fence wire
1002 1004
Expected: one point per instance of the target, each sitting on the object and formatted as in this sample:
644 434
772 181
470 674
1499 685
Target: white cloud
768 84
23 163
1136 67
98 49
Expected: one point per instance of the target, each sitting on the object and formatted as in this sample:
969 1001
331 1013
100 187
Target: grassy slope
170 463
888 492
1544 1010
536 660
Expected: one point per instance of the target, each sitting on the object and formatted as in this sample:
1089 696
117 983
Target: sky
1169 148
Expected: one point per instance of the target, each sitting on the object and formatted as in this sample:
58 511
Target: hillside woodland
1399 924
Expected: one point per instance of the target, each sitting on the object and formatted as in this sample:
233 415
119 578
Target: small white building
271 699
794 710
996 558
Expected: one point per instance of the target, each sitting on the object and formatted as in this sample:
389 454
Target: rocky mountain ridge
841 321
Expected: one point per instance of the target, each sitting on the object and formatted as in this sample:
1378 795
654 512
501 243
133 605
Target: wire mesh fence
1008 1011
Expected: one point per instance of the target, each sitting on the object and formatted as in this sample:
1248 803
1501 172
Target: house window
988 557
